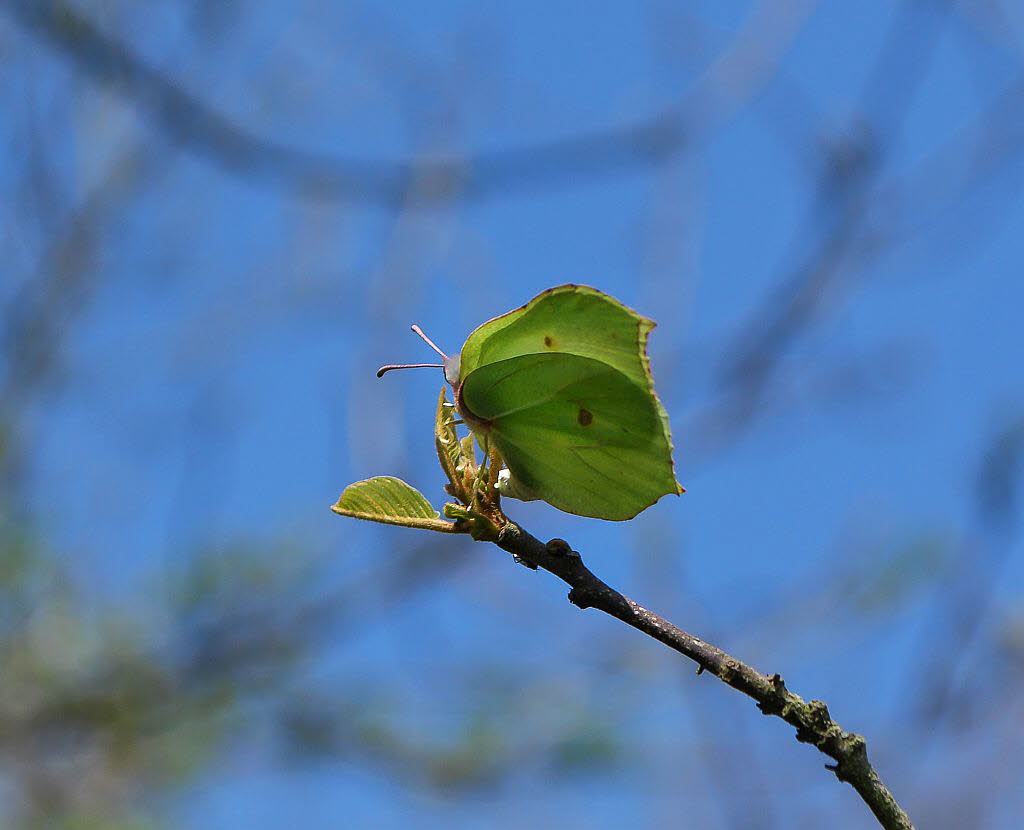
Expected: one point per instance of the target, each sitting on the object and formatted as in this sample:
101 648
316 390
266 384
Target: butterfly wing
576 431
569 319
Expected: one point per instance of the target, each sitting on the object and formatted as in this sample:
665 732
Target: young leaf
457 462
391 501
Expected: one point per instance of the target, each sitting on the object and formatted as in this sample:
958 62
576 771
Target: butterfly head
451 366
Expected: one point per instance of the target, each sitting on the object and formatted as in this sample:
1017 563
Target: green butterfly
563 388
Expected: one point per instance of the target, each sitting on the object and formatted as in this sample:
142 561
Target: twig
811 719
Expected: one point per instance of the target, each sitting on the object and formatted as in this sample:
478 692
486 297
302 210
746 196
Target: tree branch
811 719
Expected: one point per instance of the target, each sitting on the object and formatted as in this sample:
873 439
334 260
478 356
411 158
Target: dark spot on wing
549 341
585 417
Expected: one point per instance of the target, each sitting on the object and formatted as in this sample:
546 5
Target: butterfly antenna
430 342
390 366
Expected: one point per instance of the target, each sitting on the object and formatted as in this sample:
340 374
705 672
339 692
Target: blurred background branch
731 80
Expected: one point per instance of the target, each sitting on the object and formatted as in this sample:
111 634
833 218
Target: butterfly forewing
575 430
569 319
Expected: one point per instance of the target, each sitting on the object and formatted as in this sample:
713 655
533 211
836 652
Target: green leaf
390 501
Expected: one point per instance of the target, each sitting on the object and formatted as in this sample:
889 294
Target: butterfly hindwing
575 430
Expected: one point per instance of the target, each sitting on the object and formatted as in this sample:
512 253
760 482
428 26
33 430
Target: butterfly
562 387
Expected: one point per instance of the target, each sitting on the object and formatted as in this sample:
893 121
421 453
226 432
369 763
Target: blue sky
218 386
